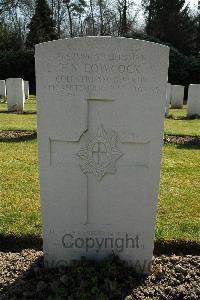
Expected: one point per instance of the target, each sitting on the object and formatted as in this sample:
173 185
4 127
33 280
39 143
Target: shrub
19 64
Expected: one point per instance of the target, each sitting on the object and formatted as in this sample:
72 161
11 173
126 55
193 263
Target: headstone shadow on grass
14 243
18 113
193 117
189 146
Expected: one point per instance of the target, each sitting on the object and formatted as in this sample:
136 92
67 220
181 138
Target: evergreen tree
10 38
170 21
198 31
42 25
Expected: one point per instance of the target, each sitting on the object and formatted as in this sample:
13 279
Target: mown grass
181 127
19 188
27 120
16 121
179 205
178 208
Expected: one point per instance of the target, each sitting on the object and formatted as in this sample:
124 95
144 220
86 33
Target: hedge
19 64
183 70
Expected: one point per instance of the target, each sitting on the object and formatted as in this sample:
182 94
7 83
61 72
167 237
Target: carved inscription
85 73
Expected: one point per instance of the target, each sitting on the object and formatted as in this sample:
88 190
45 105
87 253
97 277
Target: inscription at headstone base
100 127
15 94
193 100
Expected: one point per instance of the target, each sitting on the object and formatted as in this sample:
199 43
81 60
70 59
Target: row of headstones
175 96
15 90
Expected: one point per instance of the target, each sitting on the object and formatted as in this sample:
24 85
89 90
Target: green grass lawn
178 208
15 121
19 188
27 120
181 127
179 205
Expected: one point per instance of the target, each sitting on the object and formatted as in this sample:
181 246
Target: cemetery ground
177 227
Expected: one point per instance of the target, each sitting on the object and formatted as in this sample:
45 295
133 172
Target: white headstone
26 89
193 100
177 95
168 98
100 122
2 88
15 94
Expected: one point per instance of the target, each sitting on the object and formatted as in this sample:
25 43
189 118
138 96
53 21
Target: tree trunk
101 17
124 27
92 15
58 19
70 20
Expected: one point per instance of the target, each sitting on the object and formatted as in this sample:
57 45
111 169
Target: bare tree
74 9
92 16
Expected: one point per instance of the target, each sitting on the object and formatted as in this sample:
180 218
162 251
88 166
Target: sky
192 3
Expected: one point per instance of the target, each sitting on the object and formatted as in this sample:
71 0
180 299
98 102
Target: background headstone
26 89
2 88
193 100
177 95
168 98
15 94
100 123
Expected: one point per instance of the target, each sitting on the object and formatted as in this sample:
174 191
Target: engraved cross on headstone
99 153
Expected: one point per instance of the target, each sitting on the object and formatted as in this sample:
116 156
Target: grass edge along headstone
15 94
100 129
193 104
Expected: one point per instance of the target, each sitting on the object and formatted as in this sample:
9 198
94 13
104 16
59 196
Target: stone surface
100 123
177 95
26 89
15 94
168 98
193 100
2 88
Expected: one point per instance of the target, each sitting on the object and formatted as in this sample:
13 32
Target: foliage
170 21
194 69
19 64
6 5
42 26
10 38
183 69
74 8
178 68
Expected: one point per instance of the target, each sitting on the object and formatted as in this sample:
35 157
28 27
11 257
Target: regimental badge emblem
99 156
